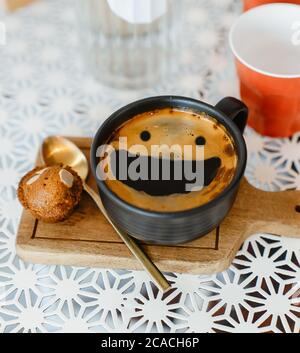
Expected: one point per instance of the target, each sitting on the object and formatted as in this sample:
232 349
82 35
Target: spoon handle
133 246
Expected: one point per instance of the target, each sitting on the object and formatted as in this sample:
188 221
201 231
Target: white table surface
45 90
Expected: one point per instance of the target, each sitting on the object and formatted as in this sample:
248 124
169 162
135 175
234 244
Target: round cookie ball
50 193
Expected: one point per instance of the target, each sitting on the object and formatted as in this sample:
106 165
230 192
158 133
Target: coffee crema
173 127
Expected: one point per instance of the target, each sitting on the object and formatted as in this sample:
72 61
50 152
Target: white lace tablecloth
45 90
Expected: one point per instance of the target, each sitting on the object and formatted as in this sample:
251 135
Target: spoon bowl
56 150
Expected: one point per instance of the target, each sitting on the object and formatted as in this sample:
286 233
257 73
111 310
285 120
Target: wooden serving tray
86 239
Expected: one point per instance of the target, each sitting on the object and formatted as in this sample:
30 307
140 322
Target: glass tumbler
130 43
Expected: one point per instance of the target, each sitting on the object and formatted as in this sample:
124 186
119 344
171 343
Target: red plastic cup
249 4
266 45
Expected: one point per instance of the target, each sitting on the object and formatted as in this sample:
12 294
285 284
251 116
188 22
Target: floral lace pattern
44 89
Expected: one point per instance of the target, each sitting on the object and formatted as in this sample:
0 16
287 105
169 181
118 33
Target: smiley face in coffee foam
193 138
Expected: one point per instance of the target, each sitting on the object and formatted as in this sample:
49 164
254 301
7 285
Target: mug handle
235 110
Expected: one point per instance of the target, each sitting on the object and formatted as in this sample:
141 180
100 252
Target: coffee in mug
179 160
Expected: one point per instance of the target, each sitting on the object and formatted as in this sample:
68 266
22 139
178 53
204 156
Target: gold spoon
56 150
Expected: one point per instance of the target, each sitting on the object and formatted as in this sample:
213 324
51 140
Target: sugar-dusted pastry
50 193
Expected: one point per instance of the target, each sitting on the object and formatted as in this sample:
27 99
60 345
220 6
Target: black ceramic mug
184 226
